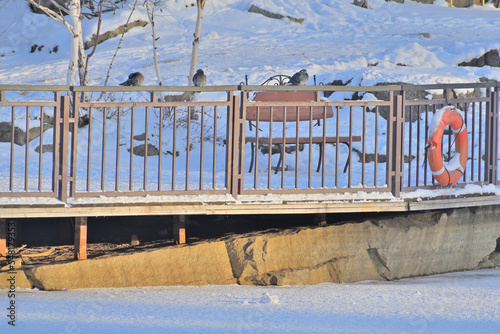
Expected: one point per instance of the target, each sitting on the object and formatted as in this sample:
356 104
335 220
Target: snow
336 41
461 302
390 42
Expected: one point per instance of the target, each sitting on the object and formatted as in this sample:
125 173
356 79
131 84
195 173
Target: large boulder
50 5
199 264
490 58
378 249
20 137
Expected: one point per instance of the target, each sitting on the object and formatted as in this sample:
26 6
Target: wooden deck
245 205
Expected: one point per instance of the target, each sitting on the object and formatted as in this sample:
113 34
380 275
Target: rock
140 150
19 279
199 264
45 148
386 249
20 135
327 94
141 137
418 94
6 134
255 9
490 58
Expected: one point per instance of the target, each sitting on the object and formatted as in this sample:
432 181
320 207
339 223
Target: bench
291 114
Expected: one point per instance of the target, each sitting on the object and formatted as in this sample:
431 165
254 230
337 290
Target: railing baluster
26 149
214 162
375 183
363 149
202 141
188 148
174 148
160 147
146 138
117 168
103 153
89 148
40 155
132 122
11 179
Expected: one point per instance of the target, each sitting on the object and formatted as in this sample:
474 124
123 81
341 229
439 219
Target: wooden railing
71 142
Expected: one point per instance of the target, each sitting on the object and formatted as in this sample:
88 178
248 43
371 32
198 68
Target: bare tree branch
53 15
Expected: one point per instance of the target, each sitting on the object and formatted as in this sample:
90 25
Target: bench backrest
304 112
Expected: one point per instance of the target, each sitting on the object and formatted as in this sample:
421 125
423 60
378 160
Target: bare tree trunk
118 48
155 48
196 42
194 55
76 32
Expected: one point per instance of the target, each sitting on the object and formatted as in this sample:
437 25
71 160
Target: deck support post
3 238
179 229
320 219
80 238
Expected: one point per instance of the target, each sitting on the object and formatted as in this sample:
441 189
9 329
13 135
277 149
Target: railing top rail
35 87
395 87
119 88
451 85
154 88
321 88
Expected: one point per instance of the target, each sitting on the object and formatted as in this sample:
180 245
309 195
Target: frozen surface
461 302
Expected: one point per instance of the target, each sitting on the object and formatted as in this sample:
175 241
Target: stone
255 9
140 150
20 135
490 58
20 279
196 264
386 249
419 94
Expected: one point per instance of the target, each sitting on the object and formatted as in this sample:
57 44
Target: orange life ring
450 174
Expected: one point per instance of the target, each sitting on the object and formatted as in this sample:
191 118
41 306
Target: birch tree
77 54
196 42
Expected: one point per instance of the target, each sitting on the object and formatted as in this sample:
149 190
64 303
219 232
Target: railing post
394 144
236 156
63 148
491 137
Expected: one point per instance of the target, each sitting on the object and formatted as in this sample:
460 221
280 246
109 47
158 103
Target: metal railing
70 142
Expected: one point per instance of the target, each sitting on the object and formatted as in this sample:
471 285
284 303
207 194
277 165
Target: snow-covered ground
390 42
462 302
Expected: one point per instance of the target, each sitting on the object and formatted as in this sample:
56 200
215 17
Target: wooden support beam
80 238
3 238
180 229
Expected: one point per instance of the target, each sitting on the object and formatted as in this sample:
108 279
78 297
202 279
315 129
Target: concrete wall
376 249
